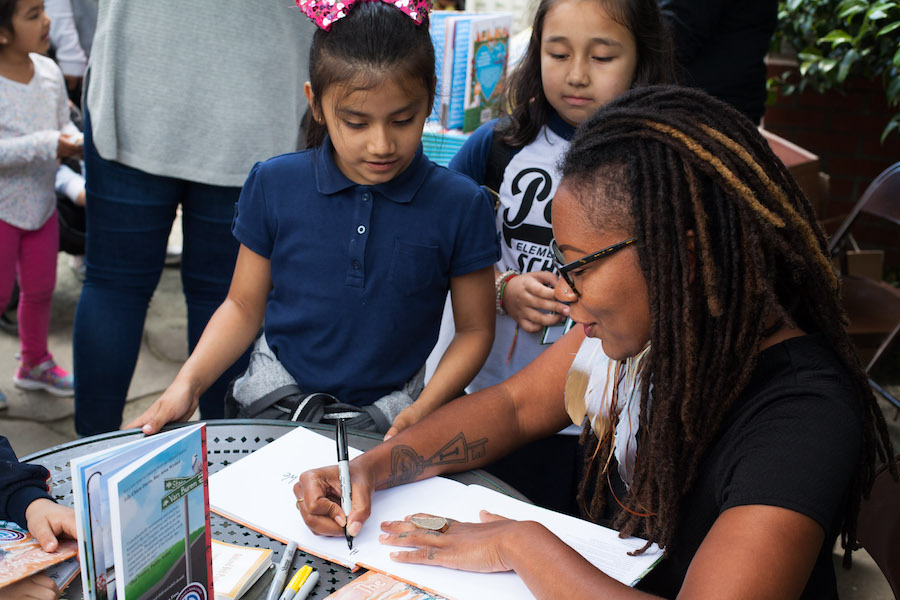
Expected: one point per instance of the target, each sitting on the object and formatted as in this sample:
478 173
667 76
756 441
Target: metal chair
878 527
873 307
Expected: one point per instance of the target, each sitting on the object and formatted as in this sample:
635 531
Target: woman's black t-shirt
791 440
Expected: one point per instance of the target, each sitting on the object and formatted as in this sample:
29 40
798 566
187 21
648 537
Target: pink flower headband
326 12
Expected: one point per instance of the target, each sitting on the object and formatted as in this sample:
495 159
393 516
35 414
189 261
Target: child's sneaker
45 376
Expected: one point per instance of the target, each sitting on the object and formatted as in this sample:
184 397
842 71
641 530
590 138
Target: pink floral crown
326 12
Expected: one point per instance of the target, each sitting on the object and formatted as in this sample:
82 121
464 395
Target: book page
236 568
63 573
159 520
599 545
89 475
257 491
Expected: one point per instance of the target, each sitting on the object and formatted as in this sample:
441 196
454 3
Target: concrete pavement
37 420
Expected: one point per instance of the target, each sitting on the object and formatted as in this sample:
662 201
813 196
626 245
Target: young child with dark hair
349 248
24 499
35 131
581 55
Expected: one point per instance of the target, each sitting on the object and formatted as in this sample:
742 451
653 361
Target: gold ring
439 524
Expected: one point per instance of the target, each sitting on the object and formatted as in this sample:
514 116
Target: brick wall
844 130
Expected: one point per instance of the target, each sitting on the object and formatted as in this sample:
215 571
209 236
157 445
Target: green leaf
846 65
827 64
893 124
888 28
852 10
836 38
893 90
811 53
880 10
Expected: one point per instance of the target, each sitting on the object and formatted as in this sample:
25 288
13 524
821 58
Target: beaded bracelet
500 288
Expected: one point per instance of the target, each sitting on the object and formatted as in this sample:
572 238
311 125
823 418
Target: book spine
208 530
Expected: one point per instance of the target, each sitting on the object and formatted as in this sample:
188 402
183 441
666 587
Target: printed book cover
378 586
488 52
143 518
236 568
21 555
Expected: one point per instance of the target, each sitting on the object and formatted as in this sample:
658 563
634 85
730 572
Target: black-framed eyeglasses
565 269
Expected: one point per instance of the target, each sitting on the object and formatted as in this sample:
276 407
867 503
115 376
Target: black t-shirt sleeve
794 450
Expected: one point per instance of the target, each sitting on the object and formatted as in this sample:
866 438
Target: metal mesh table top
229 441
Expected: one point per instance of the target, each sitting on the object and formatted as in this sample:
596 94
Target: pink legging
32 256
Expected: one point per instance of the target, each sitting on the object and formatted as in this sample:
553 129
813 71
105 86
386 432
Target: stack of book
472 56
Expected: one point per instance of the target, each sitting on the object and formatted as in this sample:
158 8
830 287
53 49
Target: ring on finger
439 524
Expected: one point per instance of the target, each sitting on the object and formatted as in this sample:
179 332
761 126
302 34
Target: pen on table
307 586
344 471
281 574
296 582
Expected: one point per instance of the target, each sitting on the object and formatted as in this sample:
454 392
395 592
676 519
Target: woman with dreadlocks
729 418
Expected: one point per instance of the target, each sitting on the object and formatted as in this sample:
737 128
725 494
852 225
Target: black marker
344 471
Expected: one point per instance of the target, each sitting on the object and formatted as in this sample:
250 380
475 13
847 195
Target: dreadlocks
693 163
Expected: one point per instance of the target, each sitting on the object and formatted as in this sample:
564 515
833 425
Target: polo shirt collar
401 189
560 127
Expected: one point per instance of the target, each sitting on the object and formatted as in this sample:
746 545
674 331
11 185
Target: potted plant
837 39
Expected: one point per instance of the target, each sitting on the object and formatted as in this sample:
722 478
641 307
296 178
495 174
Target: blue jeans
129 216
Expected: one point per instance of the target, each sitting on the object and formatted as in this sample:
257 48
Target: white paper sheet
257 491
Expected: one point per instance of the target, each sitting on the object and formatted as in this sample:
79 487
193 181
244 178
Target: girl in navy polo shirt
349 248
582 54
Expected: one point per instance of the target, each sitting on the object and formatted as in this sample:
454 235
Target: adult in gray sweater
182 99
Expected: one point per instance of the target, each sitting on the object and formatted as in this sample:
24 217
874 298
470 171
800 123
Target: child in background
582 54
35 131
348 248
24 499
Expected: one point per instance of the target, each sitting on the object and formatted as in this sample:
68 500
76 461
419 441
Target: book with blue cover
471 56
142 512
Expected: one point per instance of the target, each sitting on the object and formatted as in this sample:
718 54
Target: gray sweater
197 90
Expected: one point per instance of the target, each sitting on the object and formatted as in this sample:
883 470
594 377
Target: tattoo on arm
408 465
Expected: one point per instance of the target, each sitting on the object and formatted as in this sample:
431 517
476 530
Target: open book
257 491
142 513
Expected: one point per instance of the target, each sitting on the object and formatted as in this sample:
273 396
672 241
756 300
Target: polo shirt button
356 265
361 229
365 197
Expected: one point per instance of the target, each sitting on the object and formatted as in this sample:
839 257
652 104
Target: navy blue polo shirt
360 272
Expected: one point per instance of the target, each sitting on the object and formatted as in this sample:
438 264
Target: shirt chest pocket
414 267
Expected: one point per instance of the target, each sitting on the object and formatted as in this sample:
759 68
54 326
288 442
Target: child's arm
70 184
228 334
472 298
25 149
24 500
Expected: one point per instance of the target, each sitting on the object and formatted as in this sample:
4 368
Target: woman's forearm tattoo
408 465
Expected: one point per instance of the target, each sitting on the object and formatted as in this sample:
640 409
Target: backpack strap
500 155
